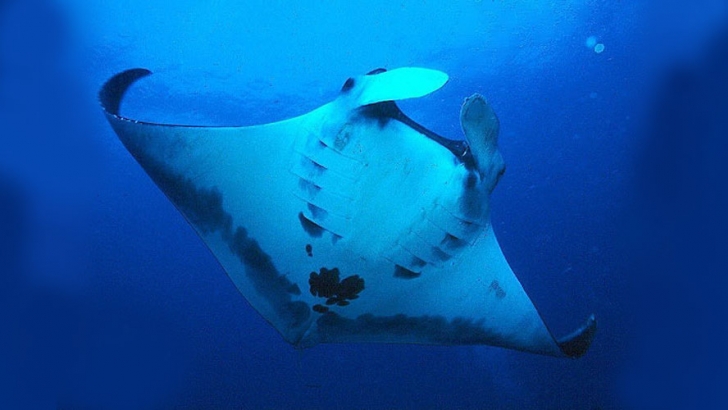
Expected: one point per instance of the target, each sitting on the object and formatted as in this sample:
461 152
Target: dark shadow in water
681 223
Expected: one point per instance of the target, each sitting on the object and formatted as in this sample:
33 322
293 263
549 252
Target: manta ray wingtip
114 89
577 343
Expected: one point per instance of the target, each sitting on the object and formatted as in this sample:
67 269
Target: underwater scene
363 204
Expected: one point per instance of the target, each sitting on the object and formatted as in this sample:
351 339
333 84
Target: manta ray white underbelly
352 223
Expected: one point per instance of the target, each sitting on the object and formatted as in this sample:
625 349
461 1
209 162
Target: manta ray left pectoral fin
474 298
212 176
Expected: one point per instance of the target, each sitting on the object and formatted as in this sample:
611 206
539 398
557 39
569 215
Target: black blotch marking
203 208
348 85
404 273
496 287
320 308
310 227
309 250
377 71
317 212
326 284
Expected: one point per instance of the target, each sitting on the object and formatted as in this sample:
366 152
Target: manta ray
352 223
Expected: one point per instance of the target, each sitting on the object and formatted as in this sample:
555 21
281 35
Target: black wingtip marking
114 89
576 344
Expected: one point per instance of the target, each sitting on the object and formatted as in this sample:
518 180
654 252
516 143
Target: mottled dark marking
342 139
348 85
317 212
203 208
404 273
496 287
309 250
294 289
432 329
310 227
320 308
326 284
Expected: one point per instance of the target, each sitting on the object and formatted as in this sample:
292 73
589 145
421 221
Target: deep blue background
109 299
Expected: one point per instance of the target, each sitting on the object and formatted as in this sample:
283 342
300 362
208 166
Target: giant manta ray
352 223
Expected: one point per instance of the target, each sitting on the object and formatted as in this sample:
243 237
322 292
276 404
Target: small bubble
591 42
599 48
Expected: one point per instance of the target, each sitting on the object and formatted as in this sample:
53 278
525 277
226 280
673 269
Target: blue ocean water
112 301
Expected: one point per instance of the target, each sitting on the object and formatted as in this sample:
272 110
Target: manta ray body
352 223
